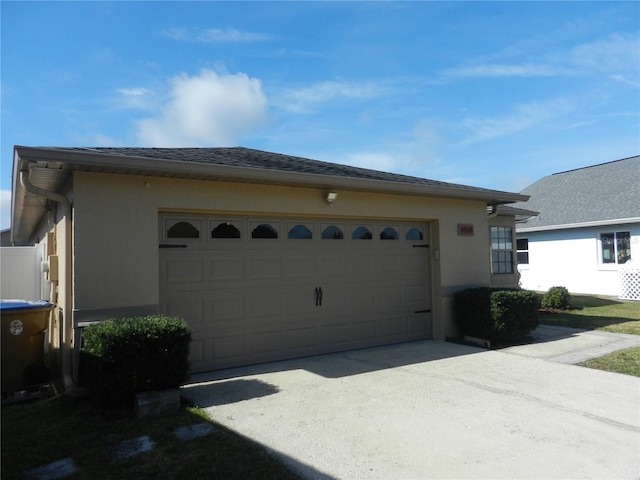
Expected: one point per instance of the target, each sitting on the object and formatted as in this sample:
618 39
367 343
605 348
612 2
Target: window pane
388 234
264 231
225 230
523 258
361 233
183 230
522 244
300 232
414 234
608 250
332 233
623 246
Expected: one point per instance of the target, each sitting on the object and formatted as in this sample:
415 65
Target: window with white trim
522 248
501 250
615 247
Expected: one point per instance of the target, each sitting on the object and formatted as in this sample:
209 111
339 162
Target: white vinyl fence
21 273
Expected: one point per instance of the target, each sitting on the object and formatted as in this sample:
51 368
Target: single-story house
266 256
587 231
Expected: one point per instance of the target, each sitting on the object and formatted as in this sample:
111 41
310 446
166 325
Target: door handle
318 296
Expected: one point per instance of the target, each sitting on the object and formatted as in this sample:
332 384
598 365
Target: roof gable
599 194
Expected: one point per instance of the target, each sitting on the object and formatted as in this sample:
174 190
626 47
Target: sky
488 94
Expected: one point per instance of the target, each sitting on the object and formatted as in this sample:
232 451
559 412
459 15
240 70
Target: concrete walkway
432 409
571 345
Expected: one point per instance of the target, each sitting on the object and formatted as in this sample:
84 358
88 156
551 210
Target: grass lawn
40 433
609 315
597 313
624 361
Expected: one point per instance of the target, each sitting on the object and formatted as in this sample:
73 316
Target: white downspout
67 328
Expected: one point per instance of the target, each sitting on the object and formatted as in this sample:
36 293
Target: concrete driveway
432 409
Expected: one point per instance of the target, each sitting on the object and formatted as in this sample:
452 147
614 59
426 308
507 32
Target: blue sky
489 94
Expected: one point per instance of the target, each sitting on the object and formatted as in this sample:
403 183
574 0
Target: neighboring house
5 238
266 256
587 232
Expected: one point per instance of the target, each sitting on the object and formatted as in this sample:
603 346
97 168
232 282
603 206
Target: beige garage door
261 289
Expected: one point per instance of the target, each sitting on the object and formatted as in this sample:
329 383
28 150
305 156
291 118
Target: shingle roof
49 168
251 158
591 195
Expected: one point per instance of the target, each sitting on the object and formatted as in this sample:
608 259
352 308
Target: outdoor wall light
331 197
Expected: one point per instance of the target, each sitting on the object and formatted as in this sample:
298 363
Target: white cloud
617 56
209 109
134 98
506 70
215 35
5 209
523 117
303 99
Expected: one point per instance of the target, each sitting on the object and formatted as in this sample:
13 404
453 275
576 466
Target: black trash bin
23 325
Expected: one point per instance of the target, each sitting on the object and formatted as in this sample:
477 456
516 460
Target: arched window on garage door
414 234
264 231
183 230
225 230
300 232
361 233
332 233
389 234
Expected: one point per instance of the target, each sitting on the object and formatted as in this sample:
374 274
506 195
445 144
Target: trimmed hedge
556 298
123 357
499 315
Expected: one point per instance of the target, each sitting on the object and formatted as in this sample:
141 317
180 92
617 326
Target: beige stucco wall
116 264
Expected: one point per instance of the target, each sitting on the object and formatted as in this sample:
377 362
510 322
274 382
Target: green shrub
514 314
499 315
557 298
123 357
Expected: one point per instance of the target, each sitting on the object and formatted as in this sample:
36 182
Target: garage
258 289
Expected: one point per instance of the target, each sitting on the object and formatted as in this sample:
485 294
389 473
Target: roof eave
70 160
567 226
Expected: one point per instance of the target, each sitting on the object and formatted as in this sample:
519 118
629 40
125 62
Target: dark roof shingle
595 194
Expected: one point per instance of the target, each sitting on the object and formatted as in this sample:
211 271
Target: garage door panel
188 307
363 330
269 341
196 351
391 326
332 265
301 338
252 300
300 266
334 334
264 267
420 323
228 346
226 269
180 270
227 307
264 306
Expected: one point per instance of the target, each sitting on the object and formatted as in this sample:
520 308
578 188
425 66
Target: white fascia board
599 223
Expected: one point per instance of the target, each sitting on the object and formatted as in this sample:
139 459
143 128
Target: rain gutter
67 330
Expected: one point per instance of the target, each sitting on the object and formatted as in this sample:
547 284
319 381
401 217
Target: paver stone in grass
60 469
130 448
194 431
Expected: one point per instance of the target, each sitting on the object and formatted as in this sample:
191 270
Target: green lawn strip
38 434
597 313
623 361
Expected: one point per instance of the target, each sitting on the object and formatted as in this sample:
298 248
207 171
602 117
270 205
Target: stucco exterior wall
571 258
116 263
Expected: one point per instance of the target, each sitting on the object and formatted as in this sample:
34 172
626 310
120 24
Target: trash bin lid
10 305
